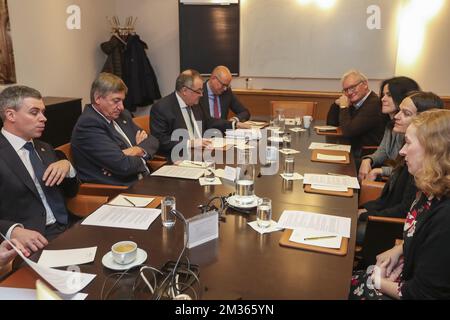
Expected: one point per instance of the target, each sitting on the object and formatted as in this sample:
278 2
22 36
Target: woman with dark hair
400 190
392 91
418 268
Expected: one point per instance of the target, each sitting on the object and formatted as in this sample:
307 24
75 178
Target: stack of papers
251 134
330 182
179 172
329 146
315 229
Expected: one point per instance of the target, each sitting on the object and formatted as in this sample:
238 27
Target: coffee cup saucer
252 202
109 262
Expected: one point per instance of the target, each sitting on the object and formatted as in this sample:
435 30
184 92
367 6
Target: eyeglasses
225 86
351 88
198 91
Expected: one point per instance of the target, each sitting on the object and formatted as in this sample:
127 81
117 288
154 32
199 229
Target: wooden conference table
241 263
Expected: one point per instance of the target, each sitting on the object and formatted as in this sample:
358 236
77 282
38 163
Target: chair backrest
67 150
143 122
294 108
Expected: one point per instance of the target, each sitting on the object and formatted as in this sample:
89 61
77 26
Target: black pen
126 199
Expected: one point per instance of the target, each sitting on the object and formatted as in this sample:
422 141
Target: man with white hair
358 112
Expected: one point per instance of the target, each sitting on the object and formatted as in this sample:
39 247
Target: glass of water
289 165
167 217
264 213
210 169
287 141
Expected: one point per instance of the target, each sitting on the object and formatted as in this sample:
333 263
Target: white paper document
329 146
30 294
179 172
331 180
251 134
295 176
315 222
289 151
256 124
326 128
66 282
272 228
297 129
122 217
316 238
329 188
130 201
191 164
328 157
63 258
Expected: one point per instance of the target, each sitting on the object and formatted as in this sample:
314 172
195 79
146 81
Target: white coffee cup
307 121
124 252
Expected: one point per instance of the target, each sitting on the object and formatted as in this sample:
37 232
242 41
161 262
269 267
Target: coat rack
120 32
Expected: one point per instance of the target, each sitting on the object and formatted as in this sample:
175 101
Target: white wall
60 62
51 58
432 68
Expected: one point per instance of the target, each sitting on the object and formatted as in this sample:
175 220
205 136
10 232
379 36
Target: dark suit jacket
166 116
228 101
97 149
20 201
364 127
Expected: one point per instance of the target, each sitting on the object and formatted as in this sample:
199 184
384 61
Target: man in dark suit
180 110
358 113
107 146
218 98
33 180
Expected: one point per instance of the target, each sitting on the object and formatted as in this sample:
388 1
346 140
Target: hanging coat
138 75
114 48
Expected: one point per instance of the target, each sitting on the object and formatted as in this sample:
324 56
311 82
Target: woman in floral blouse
420 267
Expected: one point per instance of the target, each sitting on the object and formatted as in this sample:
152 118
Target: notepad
329 146
130 201
326 157
299 235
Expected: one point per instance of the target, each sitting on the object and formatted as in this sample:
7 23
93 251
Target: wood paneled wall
258 101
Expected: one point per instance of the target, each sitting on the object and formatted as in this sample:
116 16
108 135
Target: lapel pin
42 149
124 121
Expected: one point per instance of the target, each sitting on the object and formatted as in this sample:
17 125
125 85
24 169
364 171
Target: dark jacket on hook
114 49
138 75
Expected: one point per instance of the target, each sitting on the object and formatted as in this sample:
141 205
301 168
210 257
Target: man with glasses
358 113
218 98
180 110
108 147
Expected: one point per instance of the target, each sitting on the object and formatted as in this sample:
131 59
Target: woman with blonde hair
418 268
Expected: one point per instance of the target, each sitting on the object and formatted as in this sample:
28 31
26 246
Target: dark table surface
241 263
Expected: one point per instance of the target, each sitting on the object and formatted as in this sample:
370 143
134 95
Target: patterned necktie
216 108
54 198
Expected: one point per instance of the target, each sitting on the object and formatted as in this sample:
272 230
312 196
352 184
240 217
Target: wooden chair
96 189
83 205
158 161
143 122
294 108
381 232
